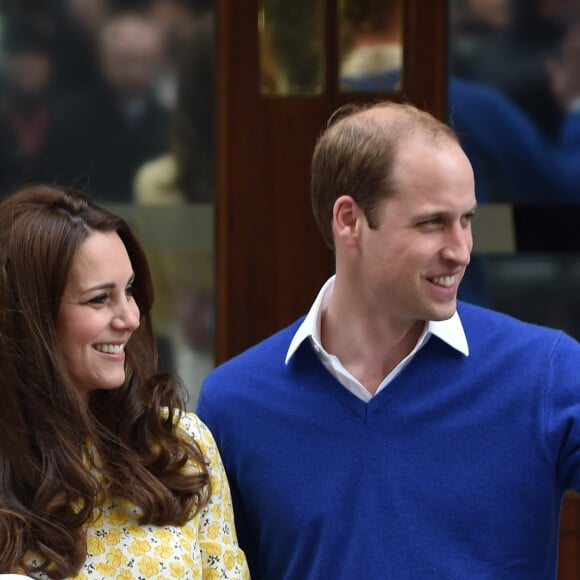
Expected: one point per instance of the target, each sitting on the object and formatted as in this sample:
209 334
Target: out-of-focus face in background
130 53
176 19
88 15
562 10
28 73
495 13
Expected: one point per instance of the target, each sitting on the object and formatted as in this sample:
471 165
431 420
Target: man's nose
459 244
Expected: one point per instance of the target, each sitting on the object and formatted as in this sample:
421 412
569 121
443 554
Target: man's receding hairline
396 116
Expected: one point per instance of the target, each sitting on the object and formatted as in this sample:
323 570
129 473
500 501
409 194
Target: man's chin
444 312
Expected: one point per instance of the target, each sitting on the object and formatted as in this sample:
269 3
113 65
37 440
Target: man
394 432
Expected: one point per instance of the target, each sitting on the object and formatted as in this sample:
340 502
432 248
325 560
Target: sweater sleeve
504 145
570 132
221 555
562 411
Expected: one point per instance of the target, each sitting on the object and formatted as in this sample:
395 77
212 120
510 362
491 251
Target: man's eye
468 218
431 222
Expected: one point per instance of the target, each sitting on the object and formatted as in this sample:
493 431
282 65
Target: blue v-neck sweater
456 470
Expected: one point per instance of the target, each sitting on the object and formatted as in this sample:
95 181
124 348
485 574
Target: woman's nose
126 315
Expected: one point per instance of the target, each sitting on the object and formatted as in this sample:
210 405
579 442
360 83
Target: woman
102 474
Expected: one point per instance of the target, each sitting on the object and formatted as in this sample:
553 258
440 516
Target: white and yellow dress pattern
205 548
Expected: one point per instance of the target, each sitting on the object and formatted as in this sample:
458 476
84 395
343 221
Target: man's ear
346 219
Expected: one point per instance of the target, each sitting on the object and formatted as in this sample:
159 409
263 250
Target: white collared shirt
450 331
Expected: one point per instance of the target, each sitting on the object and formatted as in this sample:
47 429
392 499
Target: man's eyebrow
442 213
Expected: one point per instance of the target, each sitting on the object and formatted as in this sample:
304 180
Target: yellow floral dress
205 548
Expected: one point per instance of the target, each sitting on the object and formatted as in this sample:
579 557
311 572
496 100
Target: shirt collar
449 331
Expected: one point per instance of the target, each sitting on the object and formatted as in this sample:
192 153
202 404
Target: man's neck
369 348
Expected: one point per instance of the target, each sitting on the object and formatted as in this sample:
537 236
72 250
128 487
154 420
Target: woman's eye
99 300
130 290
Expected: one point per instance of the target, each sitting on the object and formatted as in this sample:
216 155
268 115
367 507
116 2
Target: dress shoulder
191 424
196 429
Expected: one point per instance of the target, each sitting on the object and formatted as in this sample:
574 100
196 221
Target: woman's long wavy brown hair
49 487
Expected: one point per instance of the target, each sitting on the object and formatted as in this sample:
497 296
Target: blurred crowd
515 96
90 91
517 46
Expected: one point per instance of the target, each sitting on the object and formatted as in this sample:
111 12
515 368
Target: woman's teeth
110 348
